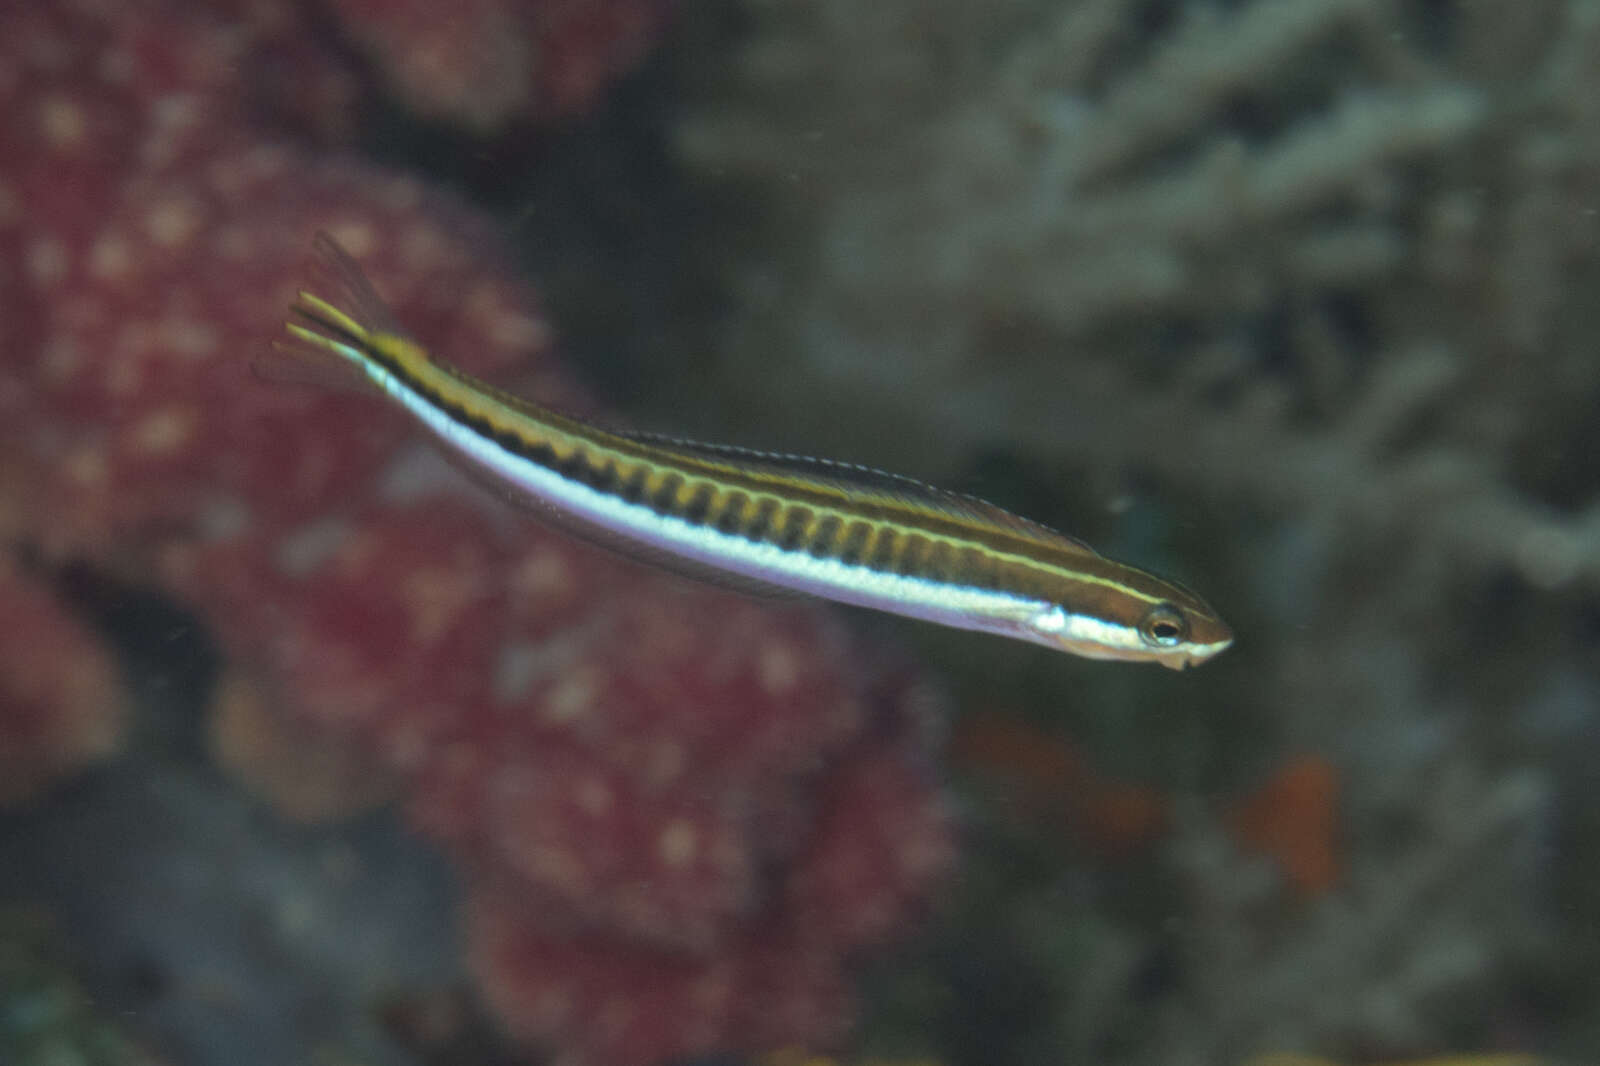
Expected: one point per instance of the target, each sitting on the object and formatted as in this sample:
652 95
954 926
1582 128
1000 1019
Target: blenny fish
761 520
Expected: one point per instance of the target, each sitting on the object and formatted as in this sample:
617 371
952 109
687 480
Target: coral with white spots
484 63
642 777
156 316
148 244
1302 293
1256 227
736 909
61 700
144 288
658 788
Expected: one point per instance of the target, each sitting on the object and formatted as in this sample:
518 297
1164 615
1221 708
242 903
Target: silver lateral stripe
986 610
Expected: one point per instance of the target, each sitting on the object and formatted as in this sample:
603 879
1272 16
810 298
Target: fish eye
1163 626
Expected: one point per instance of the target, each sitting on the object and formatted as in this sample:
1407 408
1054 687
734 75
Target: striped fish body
762 520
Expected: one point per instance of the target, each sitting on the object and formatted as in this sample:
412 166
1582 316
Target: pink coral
776 981
732 903
146 288
482 63
659 788
614 1004
61 699
470 60
681 812
651 777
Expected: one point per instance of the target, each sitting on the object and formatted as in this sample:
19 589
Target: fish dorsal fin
893 488
335 274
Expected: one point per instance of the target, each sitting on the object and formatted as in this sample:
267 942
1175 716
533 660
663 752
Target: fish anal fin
295 362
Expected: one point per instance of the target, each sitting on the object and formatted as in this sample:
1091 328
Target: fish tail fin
332 337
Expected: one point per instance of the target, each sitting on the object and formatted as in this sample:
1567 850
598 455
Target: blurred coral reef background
311 753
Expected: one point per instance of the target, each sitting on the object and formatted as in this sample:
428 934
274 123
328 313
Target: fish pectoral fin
298 361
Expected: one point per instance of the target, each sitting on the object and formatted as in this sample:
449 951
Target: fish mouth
1202 653
1171 658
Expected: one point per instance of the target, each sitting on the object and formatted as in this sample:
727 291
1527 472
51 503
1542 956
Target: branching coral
1316 277
1433 910
1331 977
1249 248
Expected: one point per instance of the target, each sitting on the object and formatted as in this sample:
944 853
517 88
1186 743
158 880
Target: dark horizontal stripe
903 536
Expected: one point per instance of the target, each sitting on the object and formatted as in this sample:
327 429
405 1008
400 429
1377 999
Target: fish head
1136 618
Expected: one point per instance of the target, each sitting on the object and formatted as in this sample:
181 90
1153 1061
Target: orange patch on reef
1293 818
306 776
1050 779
